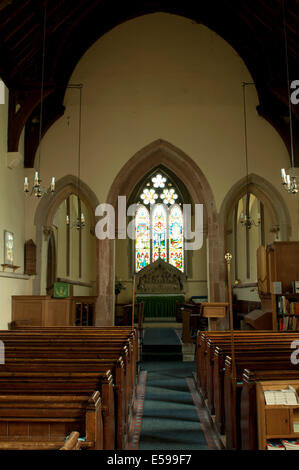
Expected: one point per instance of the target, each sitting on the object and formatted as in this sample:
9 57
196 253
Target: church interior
149 244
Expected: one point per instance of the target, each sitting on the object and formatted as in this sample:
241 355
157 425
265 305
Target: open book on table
286 396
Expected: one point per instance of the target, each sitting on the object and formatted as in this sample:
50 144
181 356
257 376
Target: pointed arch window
159 229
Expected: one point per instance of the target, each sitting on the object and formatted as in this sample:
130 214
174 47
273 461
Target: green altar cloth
159 305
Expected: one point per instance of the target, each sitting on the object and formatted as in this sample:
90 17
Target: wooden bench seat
209 342
107 340
71 383
215 365
43 422
248 406
75 360
44 345
94 366
232 403
217 338
128 333
254 349
110 357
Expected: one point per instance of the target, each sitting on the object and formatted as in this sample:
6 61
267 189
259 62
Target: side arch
45 212
264 191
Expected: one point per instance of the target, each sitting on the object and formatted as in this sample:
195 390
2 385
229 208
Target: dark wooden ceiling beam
253 29
23 38
21 106
21 25
53 110
69 15
5 19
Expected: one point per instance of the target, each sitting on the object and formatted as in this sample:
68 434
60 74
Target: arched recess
264 191
45 212
154 155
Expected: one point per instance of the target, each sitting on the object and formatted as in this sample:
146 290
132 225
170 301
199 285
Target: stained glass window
159 224
142 222
176 237
159 232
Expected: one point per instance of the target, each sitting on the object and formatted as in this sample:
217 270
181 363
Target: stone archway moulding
153 155
46 210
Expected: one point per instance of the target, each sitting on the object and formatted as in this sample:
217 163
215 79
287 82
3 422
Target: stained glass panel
159 233
176 238
142 250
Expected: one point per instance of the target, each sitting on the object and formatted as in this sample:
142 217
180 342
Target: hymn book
286 396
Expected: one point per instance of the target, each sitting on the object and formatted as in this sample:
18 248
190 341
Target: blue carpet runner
161 344
170 418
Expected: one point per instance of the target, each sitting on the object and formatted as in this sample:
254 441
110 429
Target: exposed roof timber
254 28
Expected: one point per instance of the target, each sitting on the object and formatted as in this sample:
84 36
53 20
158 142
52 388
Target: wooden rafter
253 28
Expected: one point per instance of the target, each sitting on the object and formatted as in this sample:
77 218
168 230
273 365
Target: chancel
173 327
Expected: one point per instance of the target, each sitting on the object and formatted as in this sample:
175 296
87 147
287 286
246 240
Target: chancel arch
156 155
58 235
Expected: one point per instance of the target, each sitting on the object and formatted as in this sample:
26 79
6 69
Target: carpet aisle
170 420
169 412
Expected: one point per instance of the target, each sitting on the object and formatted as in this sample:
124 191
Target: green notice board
159 305
61 290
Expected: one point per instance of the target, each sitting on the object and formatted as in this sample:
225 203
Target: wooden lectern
214 311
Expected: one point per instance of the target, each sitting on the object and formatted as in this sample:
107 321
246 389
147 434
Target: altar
160 306
160 285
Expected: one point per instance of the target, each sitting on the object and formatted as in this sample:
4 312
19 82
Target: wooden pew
27 351
201 351
33 422
112 389
218 371
129 338
62 364
248 407
210 356
72 383
218 374
77 343
129 332
94 344
277 359
76 351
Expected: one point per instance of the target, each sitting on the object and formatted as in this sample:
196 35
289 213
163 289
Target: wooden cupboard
30 310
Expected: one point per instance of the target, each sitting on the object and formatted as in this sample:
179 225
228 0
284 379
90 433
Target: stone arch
137 167
264 191
46 210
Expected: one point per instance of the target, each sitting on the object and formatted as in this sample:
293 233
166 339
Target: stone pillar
217 267
105 283
216 261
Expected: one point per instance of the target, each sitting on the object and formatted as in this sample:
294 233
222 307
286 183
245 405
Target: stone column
105 283
217 266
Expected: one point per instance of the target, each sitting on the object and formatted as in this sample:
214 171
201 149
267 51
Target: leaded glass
142 250
159 223
169 196
176 238
159 233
